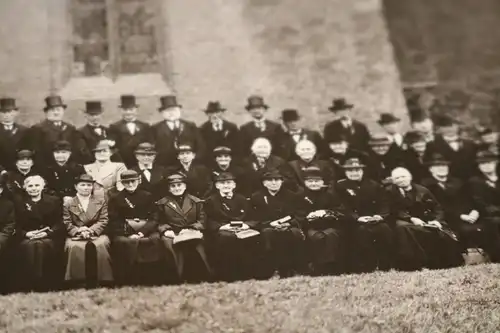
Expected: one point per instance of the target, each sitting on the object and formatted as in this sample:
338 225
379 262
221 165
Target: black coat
15 182
416 165
253 173
310 201
295 172
221 211
454 198
11 142
265 208
286 144
125 142
357 136
7 220
380 167
463 163
36 215
229 137
486 196
61 179
154 185
92 138
249 132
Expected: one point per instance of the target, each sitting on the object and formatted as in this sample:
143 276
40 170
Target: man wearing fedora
168 133
94 131
391 125
416 155
13 136
369 238
217 131
293 133
340 152
45 134
259 126
456 201
355 131
151 173
128 132
381 159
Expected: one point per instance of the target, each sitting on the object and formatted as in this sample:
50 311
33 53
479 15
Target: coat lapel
93 208
187 205
77 209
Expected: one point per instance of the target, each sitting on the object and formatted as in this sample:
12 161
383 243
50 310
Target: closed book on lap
187 236
136 224
247 233
83 239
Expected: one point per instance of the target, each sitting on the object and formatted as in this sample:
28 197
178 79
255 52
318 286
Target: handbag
136 224
475 256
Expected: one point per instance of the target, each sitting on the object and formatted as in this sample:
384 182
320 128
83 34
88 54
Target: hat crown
379 139
8 103
84 178
290 115
185 146
353 162
220 150
24 153
168 101
312 172
129 175
214 106
272 173
339 104
127 101
436 159
93 107
486 155
414 136
146 147
62 145
176 178
255 101
387 118
53 101
224 176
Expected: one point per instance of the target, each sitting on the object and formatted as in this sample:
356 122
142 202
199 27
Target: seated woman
39 232
181 220
237 248
105 173
321 216
136 245
24 168
87 247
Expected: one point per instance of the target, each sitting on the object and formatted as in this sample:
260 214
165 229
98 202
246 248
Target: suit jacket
92 138
286 144
463 161
107 175
7 221
310 201
418 202
253 173
167 140
36 215
221 211
363 198
249 132
485 196
295 172
198 179
357 135
265 208
454 197
126 142
126 205
155 186
229 137
61 179
45 134
189 215
11 142
95 217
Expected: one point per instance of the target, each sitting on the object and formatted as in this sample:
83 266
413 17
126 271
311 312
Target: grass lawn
459 300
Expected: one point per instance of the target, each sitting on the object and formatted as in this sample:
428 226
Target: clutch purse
187 236
247 233
136 224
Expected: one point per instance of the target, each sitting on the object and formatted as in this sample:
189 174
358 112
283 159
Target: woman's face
34 187
130 185
177 189
314 184
103 155
62 156
24 163
84 189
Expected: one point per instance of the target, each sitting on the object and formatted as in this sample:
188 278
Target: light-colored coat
107 175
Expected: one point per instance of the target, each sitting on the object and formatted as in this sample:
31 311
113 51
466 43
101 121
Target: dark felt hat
62 145
222 150
339 104
290 115
223 176
24 153
185 146
84 178
485 156
436 159
337 137
256 101
379 140
484 130
102 145
214 107
53 101
444 121
176 178
353 163
93 107
313 173
387 118
169 101
7 104
272 174
129 175
145 148
414 137
128 101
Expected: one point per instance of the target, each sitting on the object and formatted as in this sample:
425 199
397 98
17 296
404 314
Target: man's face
440 171
343 114
223 160
55 114
62 156
130 185
262 149
380 149
215 116
177 189
129 114
355 174
401 179
490 138
34 187
487 167
314 184
424 126
273 184
392 128
171 114
225 186
449 133
8 117
103 155
257 113
145 159
419 146
93 119
339 148
293 125
84 189
306 152
24 163
186 157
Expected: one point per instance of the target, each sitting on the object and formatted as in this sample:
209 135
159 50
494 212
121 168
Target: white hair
261 141
304 144
34 179
400 171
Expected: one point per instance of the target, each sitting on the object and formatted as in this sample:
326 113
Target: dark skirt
324 245
78 261
285 249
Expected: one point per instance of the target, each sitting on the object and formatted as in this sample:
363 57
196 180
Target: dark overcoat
126 142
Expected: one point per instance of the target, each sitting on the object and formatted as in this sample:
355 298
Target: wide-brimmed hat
145 148
414 137
62 145
223 176
379 140
353 163
436 159
272 174
53 101
176 178
102 145
185 146
129 175
24 153
222 150
168 101
290 115
128 101
339 104
7 104
214 107
84 178
93 107
387 118
256 101
486 156
313 173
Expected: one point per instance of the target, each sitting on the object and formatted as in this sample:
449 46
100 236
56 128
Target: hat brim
487 160
214 110
121 106
360 166
435 163
250 107
146 152
9 109
386 122
176 181
163 108
345 107
130 179
272 177
47 108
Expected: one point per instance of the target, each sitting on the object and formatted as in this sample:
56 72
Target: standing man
293 134
151 173
217 131
168 133
13 136
259 126
45 134
354 131
391 126
129 132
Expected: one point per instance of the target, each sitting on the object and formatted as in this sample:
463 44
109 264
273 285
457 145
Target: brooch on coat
28 207
226 132
265 199
226 207
130 204
172 205
351 192
309 200
56 174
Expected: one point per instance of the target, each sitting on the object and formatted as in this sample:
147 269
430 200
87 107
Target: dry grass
458 300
